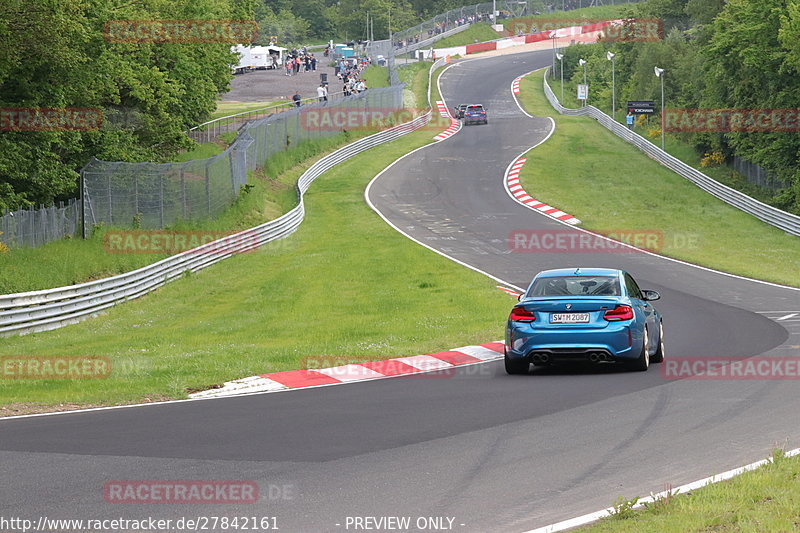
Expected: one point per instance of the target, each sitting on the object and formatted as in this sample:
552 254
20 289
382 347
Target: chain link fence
34 227
758 175
150 195
153 196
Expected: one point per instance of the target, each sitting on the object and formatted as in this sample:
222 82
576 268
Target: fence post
82 208
208 191
286 129
5 227
110 204
183 192
32 229
135 195
232 155
161 202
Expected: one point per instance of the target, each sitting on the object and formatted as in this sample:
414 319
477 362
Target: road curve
493 452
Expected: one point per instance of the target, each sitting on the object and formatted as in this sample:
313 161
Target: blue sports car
589 314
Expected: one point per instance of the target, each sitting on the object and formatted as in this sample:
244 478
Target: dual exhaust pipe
594 357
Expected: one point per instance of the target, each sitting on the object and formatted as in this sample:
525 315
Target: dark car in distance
475 114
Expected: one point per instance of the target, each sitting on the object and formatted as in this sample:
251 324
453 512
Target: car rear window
475 109
576 286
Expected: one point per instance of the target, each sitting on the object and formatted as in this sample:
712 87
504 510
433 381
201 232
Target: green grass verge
225 109
415 76
70 261
612 186
766 500
477 33
201 151
675 146
345 284
376 76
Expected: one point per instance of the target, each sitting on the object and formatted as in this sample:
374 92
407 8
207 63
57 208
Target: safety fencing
34 227
151 195
49 309
155 195
771 215
208 131
434 28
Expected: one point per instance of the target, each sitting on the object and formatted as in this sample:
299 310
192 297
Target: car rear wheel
658 357
643 362
516 366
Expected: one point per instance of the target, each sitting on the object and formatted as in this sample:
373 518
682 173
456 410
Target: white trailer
257 57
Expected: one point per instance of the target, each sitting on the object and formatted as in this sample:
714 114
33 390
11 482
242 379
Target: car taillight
620 312
520 314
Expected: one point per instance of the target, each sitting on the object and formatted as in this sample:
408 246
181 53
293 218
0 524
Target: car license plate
569 318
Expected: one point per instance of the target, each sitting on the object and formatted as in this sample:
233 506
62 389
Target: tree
60 54
286 26
758 72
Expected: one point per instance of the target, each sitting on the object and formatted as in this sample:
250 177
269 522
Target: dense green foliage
61 54
717 54
740 54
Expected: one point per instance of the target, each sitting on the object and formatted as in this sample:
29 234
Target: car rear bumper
614 342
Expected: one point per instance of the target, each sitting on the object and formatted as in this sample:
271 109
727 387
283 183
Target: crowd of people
297 61
439 28
349 73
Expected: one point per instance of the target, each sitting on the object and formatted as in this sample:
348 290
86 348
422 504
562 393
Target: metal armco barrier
44 310
771 215
35 311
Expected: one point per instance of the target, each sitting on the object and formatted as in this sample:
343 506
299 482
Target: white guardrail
30 312
771 215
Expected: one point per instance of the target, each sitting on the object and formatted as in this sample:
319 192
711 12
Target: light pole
582 63
660 73
554 55
494 11
610 55
561 59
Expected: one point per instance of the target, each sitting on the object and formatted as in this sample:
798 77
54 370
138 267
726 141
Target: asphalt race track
493 452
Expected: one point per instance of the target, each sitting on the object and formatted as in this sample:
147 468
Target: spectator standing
314 63
322 93
629 120
296 98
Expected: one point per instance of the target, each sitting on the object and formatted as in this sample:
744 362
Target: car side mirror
649 296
